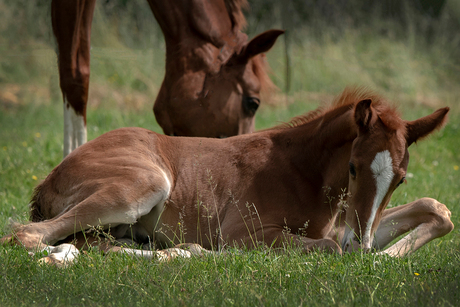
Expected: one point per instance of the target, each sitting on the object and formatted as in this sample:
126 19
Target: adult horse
213 75
246 189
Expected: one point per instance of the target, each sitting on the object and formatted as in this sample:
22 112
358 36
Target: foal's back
126 157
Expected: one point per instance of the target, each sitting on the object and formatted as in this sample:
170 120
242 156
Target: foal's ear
424 126
260 44
363 114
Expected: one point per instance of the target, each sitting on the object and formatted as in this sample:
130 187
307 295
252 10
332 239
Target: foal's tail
35 205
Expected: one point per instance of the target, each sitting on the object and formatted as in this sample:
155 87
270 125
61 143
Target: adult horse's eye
401 182
352 170
250 105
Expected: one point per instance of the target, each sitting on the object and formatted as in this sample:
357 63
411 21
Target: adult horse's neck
200 29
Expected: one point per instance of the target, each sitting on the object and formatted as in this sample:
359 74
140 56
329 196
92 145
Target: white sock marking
74 129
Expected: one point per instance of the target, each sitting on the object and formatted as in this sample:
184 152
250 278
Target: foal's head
378 165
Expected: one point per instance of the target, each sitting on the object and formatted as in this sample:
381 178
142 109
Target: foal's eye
402 181
352 170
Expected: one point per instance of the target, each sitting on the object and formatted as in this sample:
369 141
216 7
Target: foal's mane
349 98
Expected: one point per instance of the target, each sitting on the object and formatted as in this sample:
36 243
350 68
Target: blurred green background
406 50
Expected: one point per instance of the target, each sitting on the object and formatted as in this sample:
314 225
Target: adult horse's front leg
71 20
425 219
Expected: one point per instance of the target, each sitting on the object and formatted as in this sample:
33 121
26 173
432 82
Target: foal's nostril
250 105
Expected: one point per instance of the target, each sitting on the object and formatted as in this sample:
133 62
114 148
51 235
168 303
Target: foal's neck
321 148
322 136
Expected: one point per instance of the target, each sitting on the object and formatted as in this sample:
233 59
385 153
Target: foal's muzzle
351 242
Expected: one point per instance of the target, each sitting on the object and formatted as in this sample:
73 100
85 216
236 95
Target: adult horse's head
214 75
378 165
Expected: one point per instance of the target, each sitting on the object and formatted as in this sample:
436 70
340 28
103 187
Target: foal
244 190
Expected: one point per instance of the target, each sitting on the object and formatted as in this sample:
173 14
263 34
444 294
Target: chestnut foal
244 190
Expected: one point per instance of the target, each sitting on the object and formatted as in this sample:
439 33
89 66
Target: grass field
123 87
31 146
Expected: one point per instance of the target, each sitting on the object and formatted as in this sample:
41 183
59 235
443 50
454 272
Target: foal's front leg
275 237
425 219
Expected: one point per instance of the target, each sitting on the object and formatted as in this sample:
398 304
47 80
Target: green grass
31 145
253 278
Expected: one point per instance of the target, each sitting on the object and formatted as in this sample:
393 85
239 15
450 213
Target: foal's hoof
8 239
193 248
49 260
61 255
172 253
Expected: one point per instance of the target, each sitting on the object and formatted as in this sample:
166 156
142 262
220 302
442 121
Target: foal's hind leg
107 207
425 219
184 250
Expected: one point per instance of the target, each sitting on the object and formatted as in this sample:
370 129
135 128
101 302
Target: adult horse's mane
235 10
347 100
259 66
261 70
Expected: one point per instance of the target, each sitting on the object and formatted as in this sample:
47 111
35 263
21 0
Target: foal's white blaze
382 168
74 129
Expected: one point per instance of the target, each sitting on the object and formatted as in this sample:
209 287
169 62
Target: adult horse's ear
424 126
363 114
260 44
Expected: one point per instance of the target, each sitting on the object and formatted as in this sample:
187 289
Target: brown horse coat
247 189
213 76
